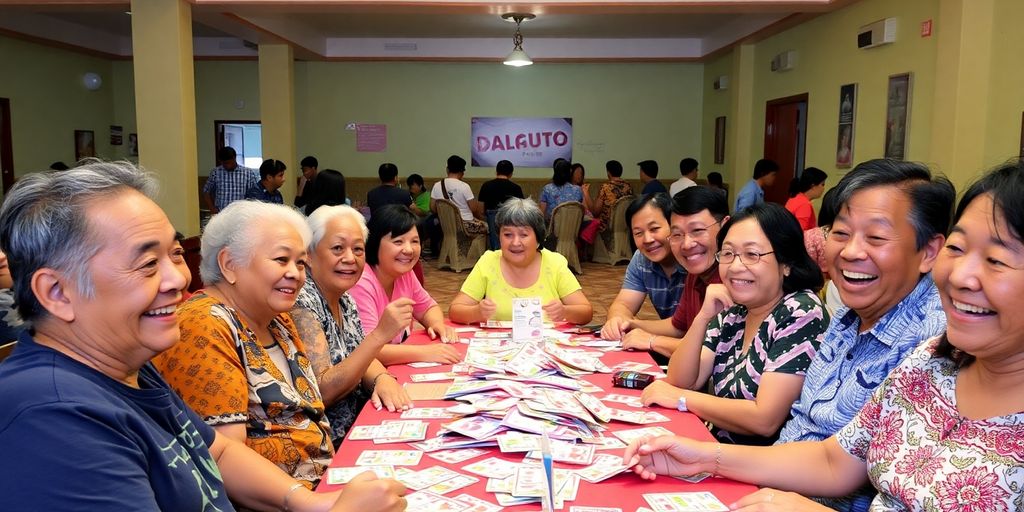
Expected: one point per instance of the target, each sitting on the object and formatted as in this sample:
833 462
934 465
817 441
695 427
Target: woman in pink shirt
392 251
810 185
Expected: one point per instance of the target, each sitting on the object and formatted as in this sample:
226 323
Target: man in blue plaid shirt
228 181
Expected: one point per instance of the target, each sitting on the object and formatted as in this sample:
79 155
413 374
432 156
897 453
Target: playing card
604 467
413 430
453 483
529 481
477 427
594 509
492 467
340 476
630 400
518 442
431 377
501 484
685 502
476 504
426 501
628 436
455 456
694 479
423 364
609 443
569 453
426 413
507 500
419 480
389 458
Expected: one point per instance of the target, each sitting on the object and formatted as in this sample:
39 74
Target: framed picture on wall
85 144
897 116
720 140
847 115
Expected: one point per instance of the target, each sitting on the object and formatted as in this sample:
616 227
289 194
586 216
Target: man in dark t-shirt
495 192
387 192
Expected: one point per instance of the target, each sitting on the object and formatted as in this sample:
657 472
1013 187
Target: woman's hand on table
669 455
439 353
367 493
637 339
390 395
446 332
396 317
555 310
487 309
661 393
614 328
775 500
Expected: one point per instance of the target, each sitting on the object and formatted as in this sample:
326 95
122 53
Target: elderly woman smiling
86 422
393 249
944 430
521 269
329 324
241 363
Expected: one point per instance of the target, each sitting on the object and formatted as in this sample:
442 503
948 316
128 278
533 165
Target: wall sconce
518 57
92 81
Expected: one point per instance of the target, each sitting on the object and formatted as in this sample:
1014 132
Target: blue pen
549 471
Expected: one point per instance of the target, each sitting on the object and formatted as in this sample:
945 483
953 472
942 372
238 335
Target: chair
459 248
612 245
564 227
6 349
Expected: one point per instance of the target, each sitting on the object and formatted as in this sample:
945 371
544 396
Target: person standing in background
228 181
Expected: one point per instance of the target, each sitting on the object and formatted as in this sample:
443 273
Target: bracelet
288 494
650 343
718 458
373 385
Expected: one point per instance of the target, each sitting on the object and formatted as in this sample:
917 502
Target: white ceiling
427 30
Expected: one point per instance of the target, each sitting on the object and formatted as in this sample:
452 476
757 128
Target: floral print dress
923 455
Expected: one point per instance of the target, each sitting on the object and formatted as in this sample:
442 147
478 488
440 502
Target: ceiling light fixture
518 57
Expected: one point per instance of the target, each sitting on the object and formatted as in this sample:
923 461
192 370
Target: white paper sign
527 319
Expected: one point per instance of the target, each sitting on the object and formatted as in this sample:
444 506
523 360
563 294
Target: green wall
427 109
49 102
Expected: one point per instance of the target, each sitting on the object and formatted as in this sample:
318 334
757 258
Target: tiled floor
600 284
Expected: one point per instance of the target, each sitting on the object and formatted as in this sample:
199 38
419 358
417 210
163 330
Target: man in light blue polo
753 192
892 221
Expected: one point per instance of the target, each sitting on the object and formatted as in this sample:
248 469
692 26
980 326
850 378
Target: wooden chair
459 249
612 245
564 227
6 349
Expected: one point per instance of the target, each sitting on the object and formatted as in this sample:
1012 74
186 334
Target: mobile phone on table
587 329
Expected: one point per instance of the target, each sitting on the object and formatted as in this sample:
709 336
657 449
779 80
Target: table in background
624 491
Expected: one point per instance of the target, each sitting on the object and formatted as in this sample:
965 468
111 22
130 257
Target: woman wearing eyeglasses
755 334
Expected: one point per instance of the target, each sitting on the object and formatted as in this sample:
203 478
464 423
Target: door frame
218 134
787 100
6 145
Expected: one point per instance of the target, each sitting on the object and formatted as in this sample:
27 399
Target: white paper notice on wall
527 319
371 138
351 127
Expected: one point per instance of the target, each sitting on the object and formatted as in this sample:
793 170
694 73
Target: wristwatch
681 404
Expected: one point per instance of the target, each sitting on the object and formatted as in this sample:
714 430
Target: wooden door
6 147
784 128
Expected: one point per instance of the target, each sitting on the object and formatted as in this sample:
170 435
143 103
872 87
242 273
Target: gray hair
319 219
234 229
522 213
44 223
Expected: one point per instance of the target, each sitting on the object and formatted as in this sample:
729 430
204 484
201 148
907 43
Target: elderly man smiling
892 221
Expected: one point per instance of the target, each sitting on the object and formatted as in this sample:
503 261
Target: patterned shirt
785 342
259 193
850 365
341 341
228 186
921 454
611 191
645 276
552 195
227 376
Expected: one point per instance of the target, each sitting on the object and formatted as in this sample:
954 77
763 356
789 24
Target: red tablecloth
624 491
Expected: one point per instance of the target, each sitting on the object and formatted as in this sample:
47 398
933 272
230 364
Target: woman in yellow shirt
521 269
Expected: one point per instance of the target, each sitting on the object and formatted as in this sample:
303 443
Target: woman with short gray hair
241 363
98 273
520 269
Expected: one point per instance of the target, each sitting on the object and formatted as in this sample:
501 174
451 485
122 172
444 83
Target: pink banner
524 141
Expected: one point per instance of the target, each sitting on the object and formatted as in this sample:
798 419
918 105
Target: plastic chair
459 248
6 349
612 245
564 227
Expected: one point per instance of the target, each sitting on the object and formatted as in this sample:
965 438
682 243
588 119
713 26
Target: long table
623 491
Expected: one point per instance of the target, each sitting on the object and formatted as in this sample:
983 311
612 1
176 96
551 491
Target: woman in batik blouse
755 334
945 430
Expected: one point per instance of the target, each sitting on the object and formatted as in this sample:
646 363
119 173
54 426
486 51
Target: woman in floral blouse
754 336
945 431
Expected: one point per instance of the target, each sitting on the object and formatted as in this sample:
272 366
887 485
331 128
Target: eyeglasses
695 234
746 258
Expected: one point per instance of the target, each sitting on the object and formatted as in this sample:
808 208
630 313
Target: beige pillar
165 105
962 75
739 126
277 110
